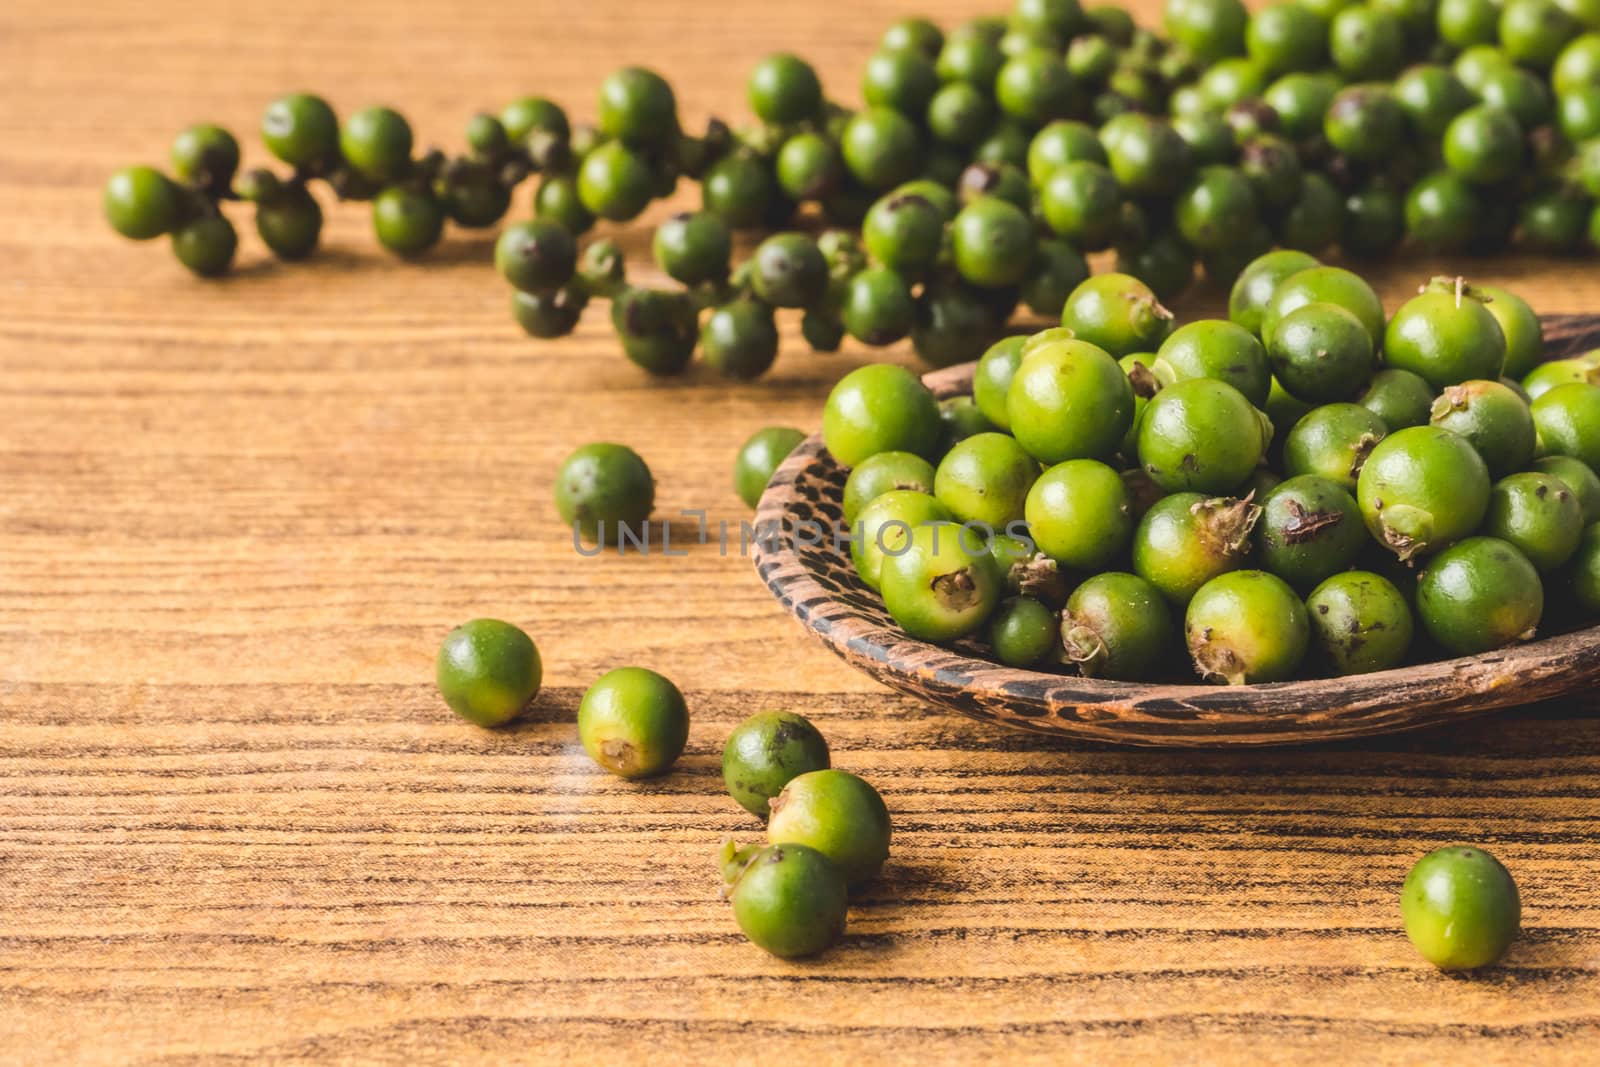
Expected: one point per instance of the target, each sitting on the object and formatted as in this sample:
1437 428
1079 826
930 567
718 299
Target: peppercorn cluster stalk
984 164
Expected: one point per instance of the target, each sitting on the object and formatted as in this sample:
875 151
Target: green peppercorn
142 203
658 328
637 107
301 130
488 671
633 722
880 147
740 339
205 245
376 143
693 247
765 753
904 232
535 256
741 189
552 312
206 156
878 308
558 200
289 222
761 454
1460 908
602 488
406 221
1366 44
991 242
1035 87
534 114
615 182
783 89
839 815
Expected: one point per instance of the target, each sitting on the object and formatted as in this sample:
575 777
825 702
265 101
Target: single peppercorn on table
238 822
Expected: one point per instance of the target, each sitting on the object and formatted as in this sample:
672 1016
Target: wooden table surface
236 518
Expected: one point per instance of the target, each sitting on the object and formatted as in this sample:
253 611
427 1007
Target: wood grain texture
236 823
809 569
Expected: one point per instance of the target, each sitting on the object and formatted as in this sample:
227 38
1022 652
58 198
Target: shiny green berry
1119 313
839 815
741 189
1310 528
1078 514
658 328
633 722
884 526
602 488
1321 353
1069 400
991 243
991 380
1245 627
1022 632
302 130
205 155
788 899
488 671
1568 421
765 753
1460 908
376 143
1421 489
879 408
1118 626
1493 418
1333 441
1360 623
551 313
407 221
1185 540
1478 595
884 473
693 247
637 107
985 479
1080 201
290 222
808 167
783 88
205 245
615 182
904 232
1325 285
142 203
536 256
1201 435
740 339
944 585
880 147
1539 514
1398 398
1484 145
1252 290
558 201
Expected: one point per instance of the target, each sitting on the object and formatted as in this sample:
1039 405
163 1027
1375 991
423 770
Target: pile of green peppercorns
1281 492
983 165
827 829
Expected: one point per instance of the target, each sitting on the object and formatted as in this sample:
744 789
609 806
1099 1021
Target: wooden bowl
819 585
